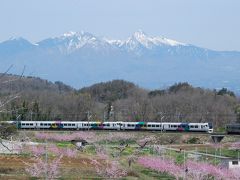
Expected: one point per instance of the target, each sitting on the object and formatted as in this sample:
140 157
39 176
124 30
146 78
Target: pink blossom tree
143 142
88 136
106 167
235 146
191 170
47 160
201 170
42 168
162 165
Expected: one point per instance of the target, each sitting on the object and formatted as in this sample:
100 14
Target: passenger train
84 125
233 128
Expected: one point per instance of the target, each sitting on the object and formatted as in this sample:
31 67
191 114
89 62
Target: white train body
83 125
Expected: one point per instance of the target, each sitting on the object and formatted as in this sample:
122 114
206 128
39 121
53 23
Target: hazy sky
212 24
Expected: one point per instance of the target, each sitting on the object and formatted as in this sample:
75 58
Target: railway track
127 131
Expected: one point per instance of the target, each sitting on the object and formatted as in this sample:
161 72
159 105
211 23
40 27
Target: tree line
116 100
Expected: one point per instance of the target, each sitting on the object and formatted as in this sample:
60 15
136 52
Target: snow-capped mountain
81 58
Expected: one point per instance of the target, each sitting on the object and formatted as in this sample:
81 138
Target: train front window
210 125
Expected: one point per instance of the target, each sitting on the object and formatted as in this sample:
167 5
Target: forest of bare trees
28 98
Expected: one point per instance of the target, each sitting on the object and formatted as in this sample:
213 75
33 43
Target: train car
233 128
101 125
187 127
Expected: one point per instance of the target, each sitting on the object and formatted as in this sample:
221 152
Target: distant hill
14 84
109 91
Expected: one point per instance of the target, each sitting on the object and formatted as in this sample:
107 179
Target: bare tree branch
2 75
1 142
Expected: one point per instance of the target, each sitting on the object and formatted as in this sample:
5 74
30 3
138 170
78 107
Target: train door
164 127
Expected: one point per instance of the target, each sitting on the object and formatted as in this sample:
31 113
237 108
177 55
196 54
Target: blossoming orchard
118 155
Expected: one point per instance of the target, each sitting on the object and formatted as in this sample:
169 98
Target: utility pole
162 124
31 115
88 117
46 161
162 117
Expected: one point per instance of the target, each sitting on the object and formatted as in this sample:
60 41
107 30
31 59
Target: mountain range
81 59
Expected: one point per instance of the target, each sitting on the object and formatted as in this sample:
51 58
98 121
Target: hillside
109 91
15 84
28 98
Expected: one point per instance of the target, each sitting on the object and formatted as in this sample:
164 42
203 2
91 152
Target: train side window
149 125
157 125
73 124
23 124
27 124
196 126
31 124
235 162
41 124
153 125
144 125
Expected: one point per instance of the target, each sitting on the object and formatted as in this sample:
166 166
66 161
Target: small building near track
231 163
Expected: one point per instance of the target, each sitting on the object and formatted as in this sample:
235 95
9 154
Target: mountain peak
139 34
69 34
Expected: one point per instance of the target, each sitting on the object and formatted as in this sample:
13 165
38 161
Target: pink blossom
201 170
107 168
88 136
162 165
41 168
51 148
235 146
